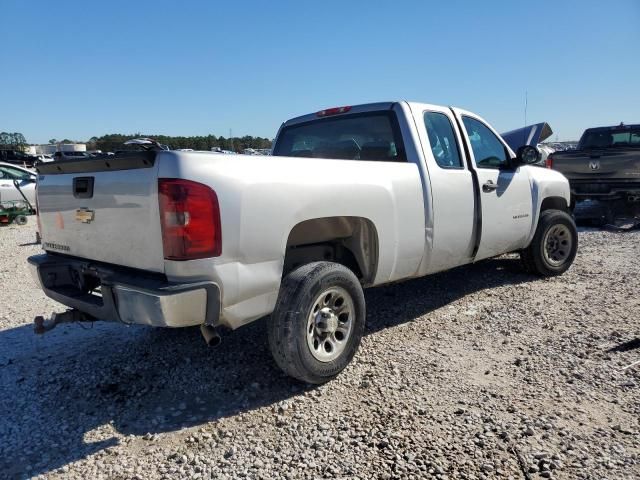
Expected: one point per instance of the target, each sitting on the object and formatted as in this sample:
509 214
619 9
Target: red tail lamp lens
190 220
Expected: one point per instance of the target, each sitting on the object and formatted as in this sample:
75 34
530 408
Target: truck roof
622 126
362 108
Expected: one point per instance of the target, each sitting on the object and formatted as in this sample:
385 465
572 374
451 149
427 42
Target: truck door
451 188
504 191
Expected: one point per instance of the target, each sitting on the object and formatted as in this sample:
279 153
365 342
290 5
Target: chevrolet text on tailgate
353 197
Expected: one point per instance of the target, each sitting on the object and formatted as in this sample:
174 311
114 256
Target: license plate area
73 281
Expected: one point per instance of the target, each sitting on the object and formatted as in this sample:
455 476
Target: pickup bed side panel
261 200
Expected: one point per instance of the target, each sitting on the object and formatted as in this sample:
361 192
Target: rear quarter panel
263 198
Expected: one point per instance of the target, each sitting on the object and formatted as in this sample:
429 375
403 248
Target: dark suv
17 158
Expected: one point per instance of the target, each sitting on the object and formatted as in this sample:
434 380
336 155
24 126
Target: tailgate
611 164
103 209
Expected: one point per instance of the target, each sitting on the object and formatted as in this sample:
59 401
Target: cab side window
443 140
488 150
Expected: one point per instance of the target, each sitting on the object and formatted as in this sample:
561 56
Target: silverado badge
84 215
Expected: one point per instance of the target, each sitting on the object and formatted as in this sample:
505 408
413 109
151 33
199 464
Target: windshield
611 138
363 136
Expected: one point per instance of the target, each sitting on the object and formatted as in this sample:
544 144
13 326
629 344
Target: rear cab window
610 138
372 136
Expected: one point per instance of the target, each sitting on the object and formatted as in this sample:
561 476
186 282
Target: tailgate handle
83 187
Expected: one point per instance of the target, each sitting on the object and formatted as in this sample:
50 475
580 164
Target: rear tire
316 327
20 220
554 245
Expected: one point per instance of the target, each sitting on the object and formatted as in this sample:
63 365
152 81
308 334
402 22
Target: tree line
114 142
12 141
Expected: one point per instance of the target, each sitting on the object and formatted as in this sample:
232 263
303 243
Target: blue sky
75 69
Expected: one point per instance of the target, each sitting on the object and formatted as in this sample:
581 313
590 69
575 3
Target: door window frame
461 157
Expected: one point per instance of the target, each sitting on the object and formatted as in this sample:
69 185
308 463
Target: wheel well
350 241
554 203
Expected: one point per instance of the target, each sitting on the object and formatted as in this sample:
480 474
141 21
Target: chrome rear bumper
113 293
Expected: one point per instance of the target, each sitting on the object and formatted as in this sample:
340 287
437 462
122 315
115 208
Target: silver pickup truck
353 197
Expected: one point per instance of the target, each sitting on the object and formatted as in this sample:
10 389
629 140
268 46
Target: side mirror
528 155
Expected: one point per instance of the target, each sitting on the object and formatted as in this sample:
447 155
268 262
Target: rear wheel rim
330 324
557 245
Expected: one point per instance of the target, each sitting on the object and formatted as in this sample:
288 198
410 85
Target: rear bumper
603 188
126 295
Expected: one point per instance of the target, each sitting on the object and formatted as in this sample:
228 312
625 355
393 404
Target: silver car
25 178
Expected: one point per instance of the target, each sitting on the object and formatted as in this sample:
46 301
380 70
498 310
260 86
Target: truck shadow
64 395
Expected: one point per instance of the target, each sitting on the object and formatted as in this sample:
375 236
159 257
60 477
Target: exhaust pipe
210 335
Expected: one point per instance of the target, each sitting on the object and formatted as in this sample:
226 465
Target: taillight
549 162
333 111
190 220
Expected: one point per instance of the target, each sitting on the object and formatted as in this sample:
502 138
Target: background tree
5 139
13 141
115 142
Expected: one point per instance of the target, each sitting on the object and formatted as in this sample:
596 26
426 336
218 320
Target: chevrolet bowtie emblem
84 215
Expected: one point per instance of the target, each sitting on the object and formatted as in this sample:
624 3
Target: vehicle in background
532 135
220 150
353 197
25 178
561 146
605 166
71 156
545 151
44 158
17 157
257 151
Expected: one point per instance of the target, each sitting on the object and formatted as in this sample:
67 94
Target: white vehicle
44 158
25 178
353 197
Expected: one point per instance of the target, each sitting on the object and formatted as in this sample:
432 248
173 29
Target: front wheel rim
330 324
557 245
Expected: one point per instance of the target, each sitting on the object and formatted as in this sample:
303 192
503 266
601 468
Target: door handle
489 186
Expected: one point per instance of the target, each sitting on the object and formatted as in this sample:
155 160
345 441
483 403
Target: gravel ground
481 372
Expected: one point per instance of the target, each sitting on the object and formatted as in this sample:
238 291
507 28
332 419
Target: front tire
316 327
554 245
